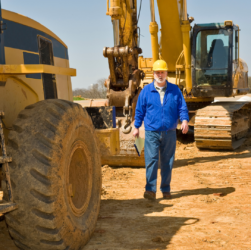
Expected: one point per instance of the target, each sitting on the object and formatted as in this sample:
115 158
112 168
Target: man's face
160 76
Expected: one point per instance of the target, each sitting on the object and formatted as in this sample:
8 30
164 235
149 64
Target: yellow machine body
21 80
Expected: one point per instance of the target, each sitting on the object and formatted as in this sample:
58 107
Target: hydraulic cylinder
185 28
153 28
115 10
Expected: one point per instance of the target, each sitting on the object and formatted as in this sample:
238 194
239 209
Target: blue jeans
159 145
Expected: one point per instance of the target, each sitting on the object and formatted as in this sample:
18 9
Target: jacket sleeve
182 108
140 110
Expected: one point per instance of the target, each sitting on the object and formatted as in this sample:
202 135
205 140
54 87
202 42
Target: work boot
167 195
150 195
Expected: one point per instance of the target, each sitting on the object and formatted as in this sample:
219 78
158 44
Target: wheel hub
79 181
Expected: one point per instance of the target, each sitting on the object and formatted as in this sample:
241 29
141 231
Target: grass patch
77 98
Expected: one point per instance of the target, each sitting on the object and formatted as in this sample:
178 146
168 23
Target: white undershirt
161 87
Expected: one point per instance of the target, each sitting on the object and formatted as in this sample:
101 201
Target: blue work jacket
157 116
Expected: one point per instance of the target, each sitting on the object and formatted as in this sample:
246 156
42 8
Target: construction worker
160 105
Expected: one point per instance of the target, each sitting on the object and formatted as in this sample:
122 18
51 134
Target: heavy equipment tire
55 176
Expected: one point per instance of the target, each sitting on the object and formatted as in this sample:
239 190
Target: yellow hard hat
160 65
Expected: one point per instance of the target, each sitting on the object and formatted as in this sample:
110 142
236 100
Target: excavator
203 60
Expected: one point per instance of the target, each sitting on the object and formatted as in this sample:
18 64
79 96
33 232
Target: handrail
25 69
199 69
180 57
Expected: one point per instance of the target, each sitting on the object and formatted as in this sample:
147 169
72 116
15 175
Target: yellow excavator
203 61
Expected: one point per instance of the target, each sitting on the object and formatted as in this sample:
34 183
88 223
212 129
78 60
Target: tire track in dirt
194 219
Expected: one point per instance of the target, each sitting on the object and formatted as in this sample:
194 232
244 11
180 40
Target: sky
85 28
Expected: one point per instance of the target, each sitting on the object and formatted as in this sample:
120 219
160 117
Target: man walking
160 105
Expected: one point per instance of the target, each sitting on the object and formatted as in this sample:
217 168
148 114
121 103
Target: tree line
95 91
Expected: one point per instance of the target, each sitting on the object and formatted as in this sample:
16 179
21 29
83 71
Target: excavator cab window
214 59
212 56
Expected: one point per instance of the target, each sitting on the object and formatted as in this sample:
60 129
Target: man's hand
184 127
136 132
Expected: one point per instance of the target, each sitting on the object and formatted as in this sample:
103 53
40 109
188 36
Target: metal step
5 159
6 207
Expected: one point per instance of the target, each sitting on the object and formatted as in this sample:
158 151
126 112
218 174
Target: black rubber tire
52 143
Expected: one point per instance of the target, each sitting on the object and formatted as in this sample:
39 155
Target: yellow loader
50 171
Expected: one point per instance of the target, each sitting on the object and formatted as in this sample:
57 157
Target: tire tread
45 118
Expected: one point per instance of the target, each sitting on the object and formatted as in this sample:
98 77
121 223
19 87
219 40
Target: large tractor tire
55 175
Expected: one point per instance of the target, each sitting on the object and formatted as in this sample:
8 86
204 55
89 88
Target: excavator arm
125 77
202 60
123 84
182 47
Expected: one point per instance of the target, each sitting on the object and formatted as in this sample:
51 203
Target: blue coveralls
160 121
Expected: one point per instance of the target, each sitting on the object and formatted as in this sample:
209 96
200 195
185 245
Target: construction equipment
50 172
203 61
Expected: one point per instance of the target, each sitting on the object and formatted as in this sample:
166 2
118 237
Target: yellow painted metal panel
15 96
126 28
108 141
64 87
24 69
199 99
15 56
171 35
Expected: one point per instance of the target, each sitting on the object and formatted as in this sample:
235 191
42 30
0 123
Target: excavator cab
216 68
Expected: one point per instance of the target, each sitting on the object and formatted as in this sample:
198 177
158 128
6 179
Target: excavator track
222 125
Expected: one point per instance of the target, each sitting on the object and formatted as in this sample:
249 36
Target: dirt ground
210 208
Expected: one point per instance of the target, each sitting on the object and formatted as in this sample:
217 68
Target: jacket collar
153 89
